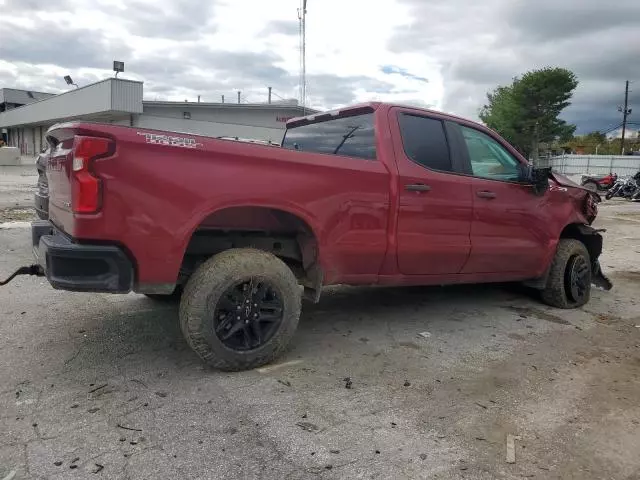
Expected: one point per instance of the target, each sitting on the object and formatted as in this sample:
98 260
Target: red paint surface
369 229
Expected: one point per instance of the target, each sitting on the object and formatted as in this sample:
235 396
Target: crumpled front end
586 203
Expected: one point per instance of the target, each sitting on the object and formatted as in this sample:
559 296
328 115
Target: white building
25 118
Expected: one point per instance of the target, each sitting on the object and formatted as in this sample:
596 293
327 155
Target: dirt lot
101 386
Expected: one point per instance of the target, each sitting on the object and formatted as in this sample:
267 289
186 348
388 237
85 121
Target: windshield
348 136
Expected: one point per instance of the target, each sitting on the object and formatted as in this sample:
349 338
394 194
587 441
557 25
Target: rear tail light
86 188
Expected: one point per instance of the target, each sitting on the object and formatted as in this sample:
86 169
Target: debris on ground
308 427
128 428
100 387
347 382
407 383
334 451
286 383
97 468
161 394
425 334
511 447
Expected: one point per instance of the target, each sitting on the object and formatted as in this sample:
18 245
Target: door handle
486 194
417 187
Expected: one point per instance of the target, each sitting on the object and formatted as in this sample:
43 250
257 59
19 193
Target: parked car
599 182
372 194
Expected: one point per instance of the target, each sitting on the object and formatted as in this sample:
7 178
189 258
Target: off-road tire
555 293
608 195
210 281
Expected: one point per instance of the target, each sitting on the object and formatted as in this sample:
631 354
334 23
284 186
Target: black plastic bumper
80 267
41 203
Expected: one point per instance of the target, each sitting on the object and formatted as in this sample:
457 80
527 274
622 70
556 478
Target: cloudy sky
441 53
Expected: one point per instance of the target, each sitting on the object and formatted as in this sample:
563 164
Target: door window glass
488 158
425 142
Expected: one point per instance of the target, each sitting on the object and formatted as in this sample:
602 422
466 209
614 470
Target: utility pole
302 17
625 113
535 148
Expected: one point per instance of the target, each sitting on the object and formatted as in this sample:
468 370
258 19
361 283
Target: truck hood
567 182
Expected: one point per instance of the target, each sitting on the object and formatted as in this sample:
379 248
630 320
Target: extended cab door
435 204
510 230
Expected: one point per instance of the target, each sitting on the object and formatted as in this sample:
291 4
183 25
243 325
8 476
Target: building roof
231 105
22 97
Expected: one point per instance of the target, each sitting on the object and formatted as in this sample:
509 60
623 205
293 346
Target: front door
510 228
434 217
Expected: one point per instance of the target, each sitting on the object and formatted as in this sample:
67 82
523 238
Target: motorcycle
624 187
596 183
615 189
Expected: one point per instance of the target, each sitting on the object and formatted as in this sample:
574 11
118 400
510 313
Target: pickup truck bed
372 194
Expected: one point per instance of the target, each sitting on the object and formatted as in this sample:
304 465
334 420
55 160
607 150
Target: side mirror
538 178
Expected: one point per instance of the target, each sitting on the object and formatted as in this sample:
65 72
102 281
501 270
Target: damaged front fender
593 241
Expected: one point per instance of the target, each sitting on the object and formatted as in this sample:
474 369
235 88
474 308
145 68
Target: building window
186 115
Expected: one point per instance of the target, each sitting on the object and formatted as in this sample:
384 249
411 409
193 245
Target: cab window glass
488 158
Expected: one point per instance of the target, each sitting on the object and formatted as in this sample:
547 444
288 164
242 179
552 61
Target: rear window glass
349 136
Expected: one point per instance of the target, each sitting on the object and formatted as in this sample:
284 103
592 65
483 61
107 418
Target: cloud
480 45
426 53
178 19
281 27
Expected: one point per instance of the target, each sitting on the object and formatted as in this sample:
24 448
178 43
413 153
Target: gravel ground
104 386
17 186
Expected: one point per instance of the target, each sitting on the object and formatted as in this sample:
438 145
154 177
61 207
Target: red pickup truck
373 194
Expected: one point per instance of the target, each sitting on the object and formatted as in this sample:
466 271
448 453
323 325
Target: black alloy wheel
248 314
577 278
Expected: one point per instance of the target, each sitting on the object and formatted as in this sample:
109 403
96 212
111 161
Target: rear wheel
240 309
569 282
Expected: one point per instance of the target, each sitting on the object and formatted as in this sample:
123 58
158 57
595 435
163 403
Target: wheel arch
283 230
586 234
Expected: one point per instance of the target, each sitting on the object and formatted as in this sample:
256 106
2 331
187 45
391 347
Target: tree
526 112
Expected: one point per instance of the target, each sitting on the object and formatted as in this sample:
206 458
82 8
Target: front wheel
569 281
240 309
609 194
